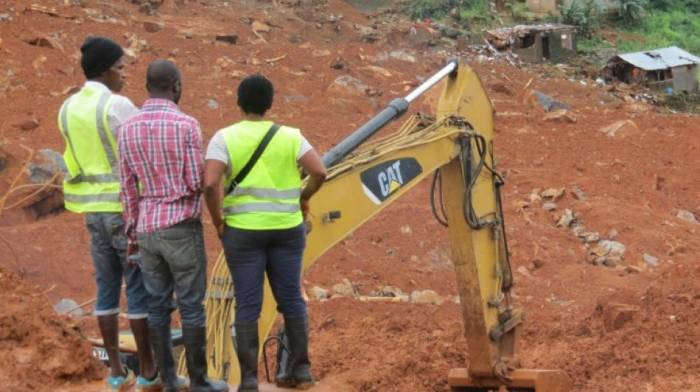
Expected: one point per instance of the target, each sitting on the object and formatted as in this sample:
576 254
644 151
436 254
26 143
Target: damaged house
536 43
660 68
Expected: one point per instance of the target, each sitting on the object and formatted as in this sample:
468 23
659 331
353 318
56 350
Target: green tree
631 12
585 14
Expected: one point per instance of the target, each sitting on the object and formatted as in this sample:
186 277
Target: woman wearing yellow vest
260 221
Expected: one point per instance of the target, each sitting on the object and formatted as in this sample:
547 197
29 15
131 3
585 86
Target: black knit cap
99 54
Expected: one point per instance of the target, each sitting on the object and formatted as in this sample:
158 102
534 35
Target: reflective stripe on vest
267 193
261 207
98 198
106 145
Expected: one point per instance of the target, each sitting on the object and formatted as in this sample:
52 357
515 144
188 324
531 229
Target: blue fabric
174 261
252 253
108 249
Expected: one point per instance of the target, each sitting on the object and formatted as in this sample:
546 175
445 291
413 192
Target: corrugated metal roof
654 60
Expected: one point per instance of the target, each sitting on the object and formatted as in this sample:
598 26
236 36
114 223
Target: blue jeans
174 261
251 253
108 249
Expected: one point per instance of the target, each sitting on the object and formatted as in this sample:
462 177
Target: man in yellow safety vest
89 121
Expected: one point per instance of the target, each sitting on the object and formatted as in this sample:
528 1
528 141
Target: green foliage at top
631 12
585 14
692 6
677 27
471 10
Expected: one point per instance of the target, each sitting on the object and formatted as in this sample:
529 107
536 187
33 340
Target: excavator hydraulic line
394 110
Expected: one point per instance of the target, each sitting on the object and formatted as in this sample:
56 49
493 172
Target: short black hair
161 76
255 94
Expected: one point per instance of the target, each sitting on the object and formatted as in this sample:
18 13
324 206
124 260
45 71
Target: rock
260 27
213 104
28 124
549 206
319 293
578 230
153 27
349 84
345 289
612 234
227 38
650 260
377 71
406 229
589 237
47 165
295 39
561 116
502 88
5 18
524 271
450 32
537 263
136 46
607 247
687 216
550 104
391 291
612 129
367 34
426 297
339 63
634 269
320 53
612 261
295 98
616 315
403 56
566 219
578 193
553 194
68 306
44 42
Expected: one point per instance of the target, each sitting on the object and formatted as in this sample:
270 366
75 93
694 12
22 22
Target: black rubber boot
247 346
195 339
298 373
161 340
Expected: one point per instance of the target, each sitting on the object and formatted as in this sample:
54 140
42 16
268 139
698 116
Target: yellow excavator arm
455 147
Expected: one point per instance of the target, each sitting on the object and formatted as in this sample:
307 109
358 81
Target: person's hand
132 251
220 230
304 204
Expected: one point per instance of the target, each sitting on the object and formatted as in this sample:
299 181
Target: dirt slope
634 182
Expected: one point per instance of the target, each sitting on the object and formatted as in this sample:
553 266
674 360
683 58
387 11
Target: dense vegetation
633 24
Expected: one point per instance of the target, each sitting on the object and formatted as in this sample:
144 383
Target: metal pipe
432 81
394 110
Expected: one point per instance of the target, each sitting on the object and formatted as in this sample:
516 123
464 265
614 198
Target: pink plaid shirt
161 168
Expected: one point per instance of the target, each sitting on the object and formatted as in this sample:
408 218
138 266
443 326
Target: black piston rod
396 109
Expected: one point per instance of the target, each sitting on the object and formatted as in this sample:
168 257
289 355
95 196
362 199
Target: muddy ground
630 325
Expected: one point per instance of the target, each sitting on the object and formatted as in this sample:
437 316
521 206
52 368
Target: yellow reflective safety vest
268 197
92 182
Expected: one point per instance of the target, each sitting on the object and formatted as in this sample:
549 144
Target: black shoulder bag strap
254 158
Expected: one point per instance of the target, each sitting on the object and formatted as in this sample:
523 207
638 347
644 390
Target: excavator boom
455 147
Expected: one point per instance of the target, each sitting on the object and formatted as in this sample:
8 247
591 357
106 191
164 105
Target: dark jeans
174 260
251 253
108 249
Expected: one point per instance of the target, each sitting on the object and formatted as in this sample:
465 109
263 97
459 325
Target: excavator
455 147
